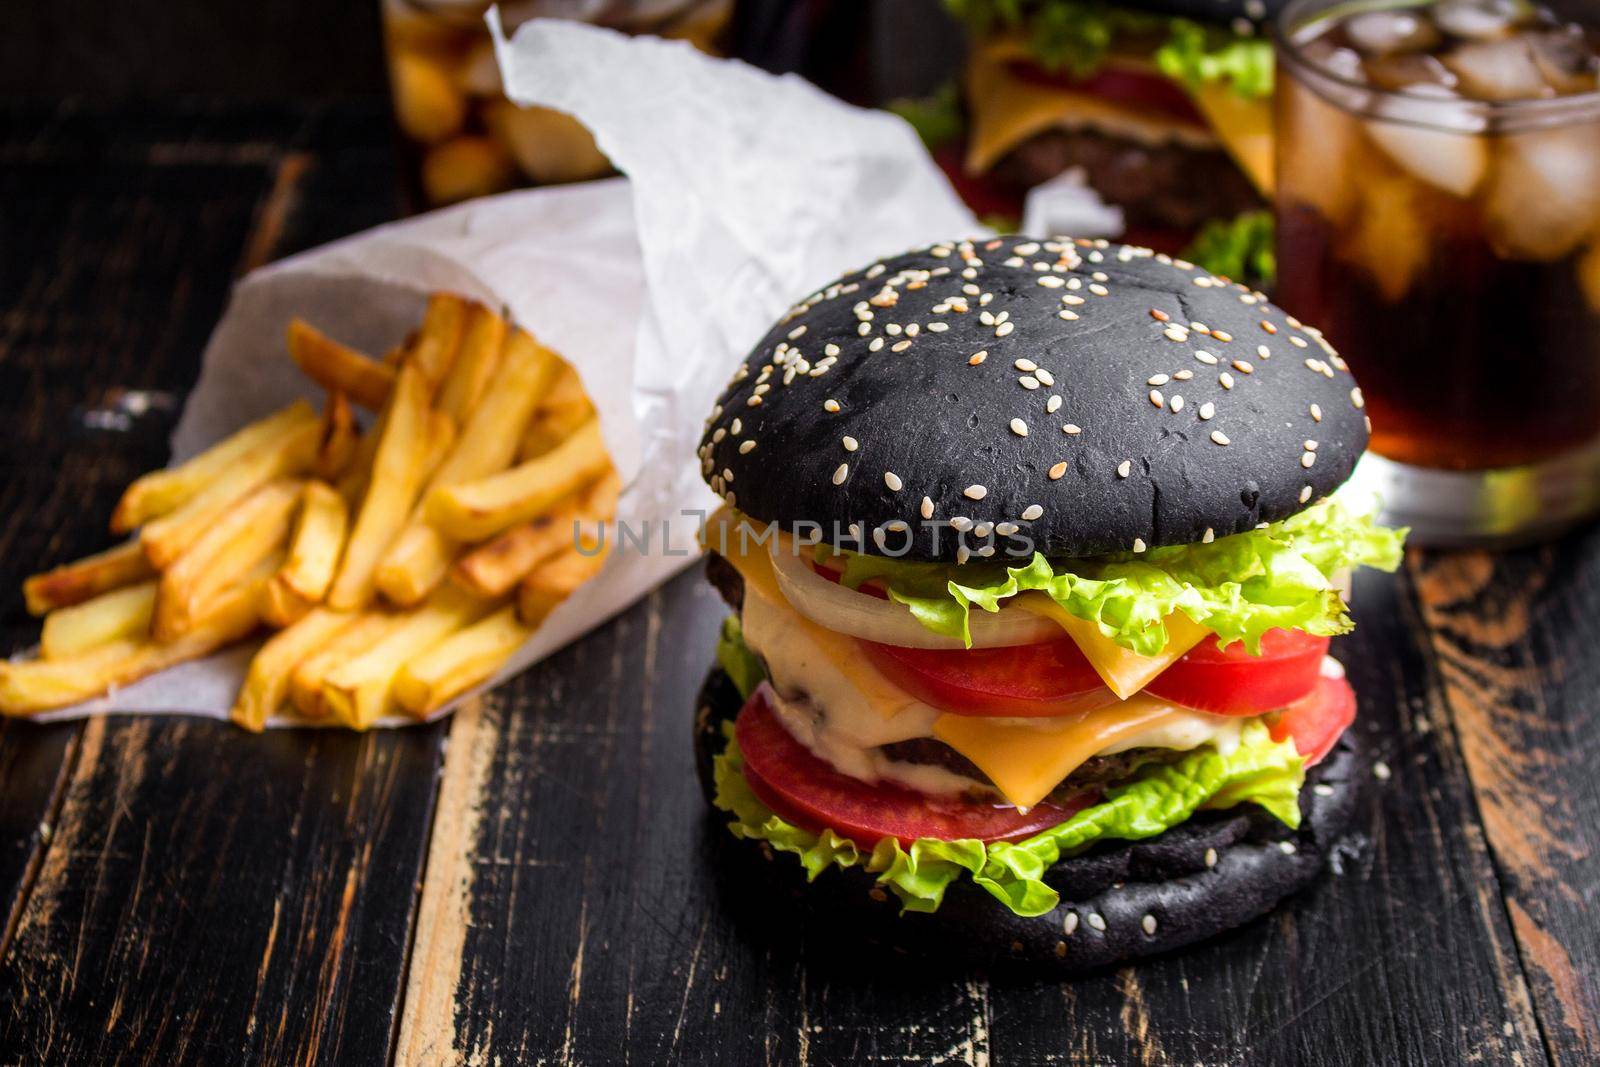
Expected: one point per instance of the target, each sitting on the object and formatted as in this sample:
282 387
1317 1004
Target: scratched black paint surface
174 891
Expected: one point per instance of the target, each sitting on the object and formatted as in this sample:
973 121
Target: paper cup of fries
402 473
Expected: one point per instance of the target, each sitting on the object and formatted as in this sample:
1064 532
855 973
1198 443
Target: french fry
266 683
565 407
477 510
237 542
340 440
317 542
28 687
84 579
280 605
434 351
339 368
306 677
554 580
420 556
360 690
352 484
481 345
119 614
494 567
291 455
165 491
397 477
459 662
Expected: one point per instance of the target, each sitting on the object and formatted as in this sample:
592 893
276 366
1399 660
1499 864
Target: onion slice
835 607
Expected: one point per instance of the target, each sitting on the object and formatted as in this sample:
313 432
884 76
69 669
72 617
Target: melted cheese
1125 672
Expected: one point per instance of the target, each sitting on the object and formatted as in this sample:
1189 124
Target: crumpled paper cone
744 193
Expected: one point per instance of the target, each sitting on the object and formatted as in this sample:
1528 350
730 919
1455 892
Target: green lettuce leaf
1076 36
1237 587
1240 248
1258 771
736 659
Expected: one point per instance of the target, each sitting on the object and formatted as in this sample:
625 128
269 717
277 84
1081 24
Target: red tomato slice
1027 681
869 588
1232 681
1146 90
809 793
1316 721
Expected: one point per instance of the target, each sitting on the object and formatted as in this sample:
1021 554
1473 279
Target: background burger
1164 104
1035 552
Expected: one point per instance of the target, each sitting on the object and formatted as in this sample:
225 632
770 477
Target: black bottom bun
1256 862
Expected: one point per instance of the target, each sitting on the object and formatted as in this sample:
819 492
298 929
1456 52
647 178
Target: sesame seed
830 405
927 507
1305 494
1221 336
1309 445
1286 847
718 434
960 522
736 426
1148 923
1156 398
1269 327
1316 412
1199 327
1006 529
892 480
727 474
974 492
1096 921
1176 404
1157 379
1072 300
1138 544
753 402
1322 789
864 329
1019 427
1028 381
1003 329
1182 375
913 329
1298 342
1025 365
986 317
841 474
1307 459
1099 290
1207 410
1044 376
1174 333
1069 924
1243 366
1051 281
1381 771
850 444
1226 379
1357 399
798 332
900 346
962 554
977 358
830 350
1211 857
986 550
746 448
1210 536
1072 429
1052 405
1159 315
1065 314
1218 437
1263 351
1205 357
1124 468
1058 470
938 327
877 343
1031 512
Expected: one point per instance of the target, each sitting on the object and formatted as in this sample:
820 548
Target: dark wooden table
530 881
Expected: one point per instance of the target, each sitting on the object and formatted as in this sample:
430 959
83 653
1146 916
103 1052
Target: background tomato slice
808 792
1316 721
1232 681
1027 681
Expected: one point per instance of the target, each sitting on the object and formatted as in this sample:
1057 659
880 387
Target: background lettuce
1238 587
1258 771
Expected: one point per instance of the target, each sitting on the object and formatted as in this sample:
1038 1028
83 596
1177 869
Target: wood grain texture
1515 648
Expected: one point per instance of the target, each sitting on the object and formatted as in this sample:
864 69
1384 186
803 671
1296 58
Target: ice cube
1336 60
1317 146
1446 159
1566 59
1482 20
1589 275
1402 71
1379 33
1389 236
1543 191
1497 70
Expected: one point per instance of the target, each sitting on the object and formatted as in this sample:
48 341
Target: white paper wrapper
744 193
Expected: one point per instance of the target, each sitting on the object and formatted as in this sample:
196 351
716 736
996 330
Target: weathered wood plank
1514 636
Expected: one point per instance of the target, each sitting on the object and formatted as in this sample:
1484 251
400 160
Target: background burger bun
1258 862
1098 396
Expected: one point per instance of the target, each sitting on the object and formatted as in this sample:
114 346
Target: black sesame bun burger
1165 105
1036 550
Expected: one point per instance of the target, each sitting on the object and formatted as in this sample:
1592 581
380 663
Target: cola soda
1438 207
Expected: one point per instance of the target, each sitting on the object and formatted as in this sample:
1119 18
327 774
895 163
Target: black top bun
1120 900
1098 397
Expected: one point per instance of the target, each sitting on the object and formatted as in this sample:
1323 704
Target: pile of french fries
399 565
